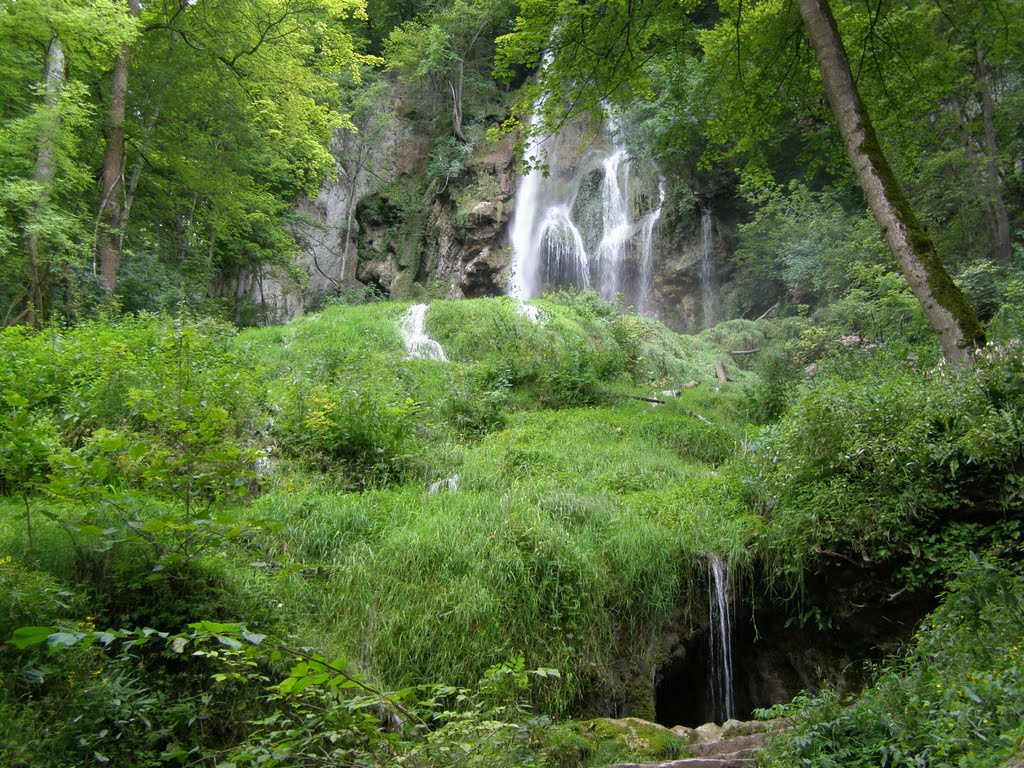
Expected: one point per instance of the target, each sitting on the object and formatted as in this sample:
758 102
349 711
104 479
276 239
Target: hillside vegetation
193 515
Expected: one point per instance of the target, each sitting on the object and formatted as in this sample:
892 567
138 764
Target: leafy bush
366 434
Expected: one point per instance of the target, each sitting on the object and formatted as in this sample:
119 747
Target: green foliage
568 523
229 115
318 714
448 160
443 60
366 433
801 243
31 596
954 698
874 454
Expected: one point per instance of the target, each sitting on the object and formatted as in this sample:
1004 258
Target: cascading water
648 227
615 225
707 267
562 253
547 248
524 253
419 346
574 226
720 649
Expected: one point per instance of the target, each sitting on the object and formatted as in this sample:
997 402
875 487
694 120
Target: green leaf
58 639
24 637
253 637
215 628
230 642
306 682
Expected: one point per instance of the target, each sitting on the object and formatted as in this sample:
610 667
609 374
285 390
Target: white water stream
648 228
720 650
419 346
616 227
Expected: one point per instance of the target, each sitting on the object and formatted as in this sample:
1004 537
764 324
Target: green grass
421 587
574 540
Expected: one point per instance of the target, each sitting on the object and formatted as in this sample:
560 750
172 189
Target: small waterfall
707 267
645 306
530 312
720 650
419 346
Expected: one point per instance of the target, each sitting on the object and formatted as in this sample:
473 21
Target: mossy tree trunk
948 310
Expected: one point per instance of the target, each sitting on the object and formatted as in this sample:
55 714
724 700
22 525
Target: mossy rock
639 739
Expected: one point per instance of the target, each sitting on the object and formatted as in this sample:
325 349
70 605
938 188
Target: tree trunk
456 88
1000 216
948 310
111 215
45 171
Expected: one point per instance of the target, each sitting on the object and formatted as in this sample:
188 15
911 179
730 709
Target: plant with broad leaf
322 714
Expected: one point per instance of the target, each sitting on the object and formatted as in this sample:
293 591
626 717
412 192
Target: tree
45 171
448 49
948 311
50 52
111 213
202 122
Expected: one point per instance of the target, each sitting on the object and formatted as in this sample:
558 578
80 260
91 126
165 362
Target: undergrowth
954 698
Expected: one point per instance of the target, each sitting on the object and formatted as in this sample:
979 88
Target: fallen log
654 400
720 371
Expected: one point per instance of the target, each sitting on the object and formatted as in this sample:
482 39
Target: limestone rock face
452 238
679 289
383 221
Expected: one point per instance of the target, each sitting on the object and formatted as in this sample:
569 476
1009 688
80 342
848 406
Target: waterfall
419 346
525 276
562 255
720 639
524 253
707 274
583 224
645 306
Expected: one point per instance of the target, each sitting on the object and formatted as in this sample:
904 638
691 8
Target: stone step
695 762
751 742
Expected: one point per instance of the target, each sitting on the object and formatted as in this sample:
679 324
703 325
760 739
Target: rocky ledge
734 744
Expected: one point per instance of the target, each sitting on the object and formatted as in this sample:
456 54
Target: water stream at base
419 346
720 640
